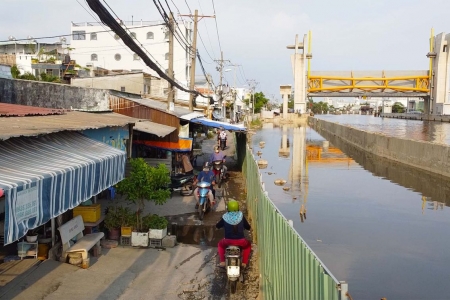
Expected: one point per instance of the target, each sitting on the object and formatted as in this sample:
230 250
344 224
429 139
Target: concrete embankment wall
52 95
424 155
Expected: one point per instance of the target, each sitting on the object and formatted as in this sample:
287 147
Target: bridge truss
394 84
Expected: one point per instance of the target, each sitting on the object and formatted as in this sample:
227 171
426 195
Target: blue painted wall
113 136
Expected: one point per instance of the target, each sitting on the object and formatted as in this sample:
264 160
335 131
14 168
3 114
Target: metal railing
289 269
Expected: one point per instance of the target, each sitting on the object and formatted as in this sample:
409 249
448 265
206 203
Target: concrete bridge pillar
285 91
440 74
298 60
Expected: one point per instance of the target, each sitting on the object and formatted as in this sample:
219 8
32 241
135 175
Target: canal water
380 226
428 131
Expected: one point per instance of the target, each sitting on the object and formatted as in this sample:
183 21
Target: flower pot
139 239
157 233
114 234
32 238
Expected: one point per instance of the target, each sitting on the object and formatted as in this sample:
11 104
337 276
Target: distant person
187 165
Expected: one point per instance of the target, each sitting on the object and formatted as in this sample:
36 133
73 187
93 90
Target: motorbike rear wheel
218 180
201 213
232 285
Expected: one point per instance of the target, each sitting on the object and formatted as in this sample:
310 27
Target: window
93 36
444 49
136 57
117 57
150 35
167 56
133 34
79 35
166 36
94 57
122 89
117 37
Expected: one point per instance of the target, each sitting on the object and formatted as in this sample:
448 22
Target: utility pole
193 55
252 83
235 92
220 69
170 96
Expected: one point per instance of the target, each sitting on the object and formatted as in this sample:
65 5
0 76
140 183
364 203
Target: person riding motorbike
222 137
208 176
219 155
234 223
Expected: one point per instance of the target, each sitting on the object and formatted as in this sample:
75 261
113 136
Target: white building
21 53
93 47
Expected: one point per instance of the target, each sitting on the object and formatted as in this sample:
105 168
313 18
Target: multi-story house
95 45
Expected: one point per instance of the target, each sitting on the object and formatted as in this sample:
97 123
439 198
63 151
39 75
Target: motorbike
233 267
223 143
184 183
205 204
219 172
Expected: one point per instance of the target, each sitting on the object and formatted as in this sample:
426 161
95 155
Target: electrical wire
217 28
107 19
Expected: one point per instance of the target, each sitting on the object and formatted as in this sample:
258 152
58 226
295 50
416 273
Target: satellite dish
62 39
29 37
11 38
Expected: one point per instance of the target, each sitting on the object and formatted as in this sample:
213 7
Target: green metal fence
289 268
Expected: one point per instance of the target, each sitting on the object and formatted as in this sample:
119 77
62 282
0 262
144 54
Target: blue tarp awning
45 176
218 124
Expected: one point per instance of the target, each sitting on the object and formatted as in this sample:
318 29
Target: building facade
94 45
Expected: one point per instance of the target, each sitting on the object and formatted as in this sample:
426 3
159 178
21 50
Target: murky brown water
382 227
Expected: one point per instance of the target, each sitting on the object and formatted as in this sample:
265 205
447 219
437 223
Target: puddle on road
203 235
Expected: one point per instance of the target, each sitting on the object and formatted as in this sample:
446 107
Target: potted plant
127 221
145 183
113 222
157 226
32 235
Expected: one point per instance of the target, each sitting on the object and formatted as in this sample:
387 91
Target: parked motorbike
218 171
205 204
184 183
233 267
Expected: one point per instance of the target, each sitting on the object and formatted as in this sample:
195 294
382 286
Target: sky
346 35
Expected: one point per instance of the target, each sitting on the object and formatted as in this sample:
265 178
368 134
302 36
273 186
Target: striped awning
45 176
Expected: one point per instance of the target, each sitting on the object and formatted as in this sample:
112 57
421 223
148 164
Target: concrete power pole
193 55
170 96
221 61
252 85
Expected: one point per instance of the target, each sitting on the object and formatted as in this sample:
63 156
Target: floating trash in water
262 163
286 188
270 173
259 153
280 181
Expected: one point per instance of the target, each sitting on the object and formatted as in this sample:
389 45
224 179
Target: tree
260 101
145 183
15 73
398 108
49 78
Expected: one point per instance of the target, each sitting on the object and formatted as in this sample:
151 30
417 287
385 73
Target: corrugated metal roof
72 121
192 115
10 110
155 104
154 128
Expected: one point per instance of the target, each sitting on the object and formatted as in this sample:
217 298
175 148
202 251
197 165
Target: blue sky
346 35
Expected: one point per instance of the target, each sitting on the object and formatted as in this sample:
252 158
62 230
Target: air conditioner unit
89 65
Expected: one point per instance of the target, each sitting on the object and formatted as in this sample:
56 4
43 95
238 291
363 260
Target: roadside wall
424 155
52 95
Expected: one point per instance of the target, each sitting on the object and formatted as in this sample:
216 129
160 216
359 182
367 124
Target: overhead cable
107 19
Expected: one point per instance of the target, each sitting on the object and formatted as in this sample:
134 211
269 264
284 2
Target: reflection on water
428 131
374 223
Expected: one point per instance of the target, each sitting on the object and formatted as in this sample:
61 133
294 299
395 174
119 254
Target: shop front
43 177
